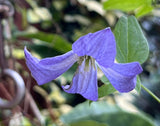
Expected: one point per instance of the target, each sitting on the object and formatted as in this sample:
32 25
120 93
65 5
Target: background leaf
43 50
139 7
105 113
55 41
131 42
124 5
105 89
88 123
143 10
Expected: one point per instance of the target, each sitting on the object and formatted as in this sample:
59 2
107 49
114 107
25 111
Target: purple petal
100 45
85 81
123 76
48 69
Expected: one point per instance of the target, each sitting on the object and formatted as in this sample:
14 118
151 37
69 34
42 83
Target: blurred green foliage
88 123
139 7
48 28
105 113
55 41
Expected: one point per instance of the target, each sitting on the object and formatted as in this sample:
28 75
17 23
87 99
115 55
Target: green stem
150 92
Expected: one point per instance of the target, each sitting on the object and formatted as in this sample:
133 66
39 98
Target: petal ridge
100 45
84 81
48 69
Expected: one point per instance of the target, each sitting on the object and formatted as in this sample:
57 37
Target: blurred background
48 28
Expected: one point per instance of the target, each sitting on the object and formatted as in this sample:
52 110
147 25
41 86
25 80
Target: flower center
88 61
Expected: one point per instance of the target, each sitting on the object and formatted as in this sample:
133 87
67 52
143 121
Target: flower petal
123 76
48 69
85 81
100 45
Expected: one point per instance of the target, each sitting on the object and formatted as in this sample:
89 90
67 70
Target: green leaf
131 42
43 50
139 7
105 89
104 113
56 41
26 122
105 80
143 10
138 85
124 5
88 123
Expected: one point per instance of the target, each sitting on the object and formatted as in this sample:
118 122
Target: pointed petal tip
27 54
140 69
107 29
48 69
134 68
25 49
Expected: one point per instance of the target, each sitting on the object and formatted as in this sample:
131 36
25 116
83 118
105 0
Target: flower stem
150 92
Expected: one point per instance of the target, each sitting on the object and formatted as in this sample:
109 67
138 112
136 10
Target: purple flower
90 51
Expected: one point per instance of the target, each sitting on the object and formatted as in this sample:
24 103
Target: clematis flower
90 51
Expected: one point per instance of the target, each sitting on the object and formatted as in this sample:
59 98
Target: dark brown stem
48 102
34 107
2 55
4 93
26 102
